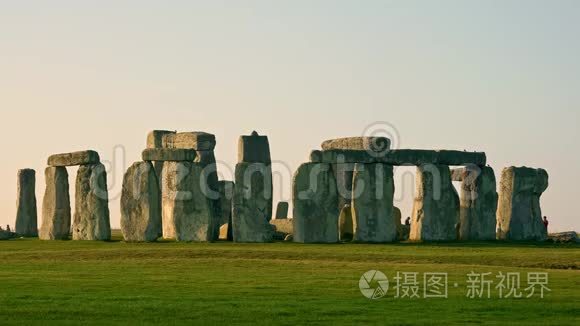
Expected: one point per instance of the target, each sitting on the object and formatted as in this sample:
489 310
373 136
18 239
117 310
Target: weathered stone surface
198 140
158 138
226 190
402 230
343 174
254 149
315 156
372 203
564 237
282 210
169 154
370 144
56 215
436 207
252 203
315 203
519 215
91 218
141 204
26 211
284 226
187 210
76 158
345 225
224 232
405 157
478 204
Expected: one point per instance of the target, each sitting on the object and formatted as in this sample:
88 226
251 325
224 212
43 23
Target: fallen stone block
169 154
73 159
564 237
26 212
141 204
187 210
284 226
91 218
519 215
252 203
315 203
436 206
372 203
478 203
56 212
254 149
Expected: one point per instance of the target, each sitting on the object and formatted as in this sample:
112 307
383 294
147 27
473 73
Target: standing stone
254 149
141 204
56 216
436 207
26 213
253 203
226 189
478 203
345 227
188 213
91 219
343 173
372 203
156 139
282 210
315 203
519 216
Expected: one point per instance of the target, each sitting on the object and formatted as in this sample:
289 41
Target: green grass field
66 282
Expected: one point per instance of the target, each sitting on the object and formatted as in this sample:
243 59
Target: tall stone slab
372 203
519 216
226 189
91 218
56 213
315 203
282 210
343 173
157 139
187 210
345 227
26 211
141 204
478 203
253 203
436 206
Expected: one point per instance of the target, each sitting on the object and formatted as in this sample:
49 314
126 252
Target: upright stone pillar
436 207
372 203
155 139
252 203
26 213
188 213
519 216
282 210
141 204
91 218
478 203
315 203
343 173
226 204
56 215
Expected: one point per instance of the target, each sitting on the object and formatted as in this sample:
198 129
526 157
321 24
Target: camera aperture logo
374 285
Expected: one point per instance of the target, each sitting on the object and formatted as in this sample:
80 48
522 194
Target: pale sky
496 76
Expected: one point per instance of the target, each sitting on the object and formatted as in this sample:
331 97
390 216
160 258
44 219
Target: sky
501 77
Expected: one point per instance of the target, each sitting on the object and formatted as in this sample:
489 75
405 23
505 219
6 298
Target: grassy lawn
66 282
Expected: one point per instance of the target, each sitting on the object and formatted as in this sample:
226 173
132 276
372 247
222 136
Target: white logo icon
374 285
